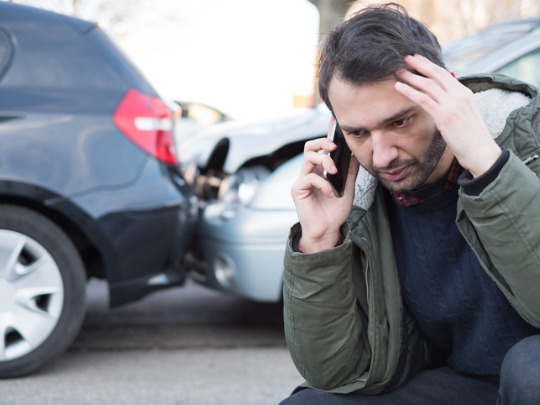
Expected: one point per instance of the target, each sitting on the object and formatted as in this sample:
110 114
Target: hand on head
453 109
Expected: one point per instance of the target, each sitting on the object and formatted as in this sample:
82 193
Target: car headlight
238 189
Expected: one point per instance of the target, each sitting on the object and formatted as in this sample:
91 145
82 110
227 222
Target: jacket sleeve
323 320
505 217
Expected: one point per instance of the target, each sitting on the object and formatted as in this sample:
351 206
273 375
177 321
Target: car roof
493 47
11 11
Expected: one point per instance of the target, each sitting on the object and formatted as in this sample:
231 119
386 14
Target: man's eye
400 123
357 134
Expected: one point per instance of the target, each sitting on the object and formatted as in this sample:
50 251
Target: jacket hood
495 103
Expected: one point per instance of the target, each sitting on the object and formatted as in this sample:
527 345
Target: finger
315 162
422 84
306 185
319 145
423 99
430 70
316 156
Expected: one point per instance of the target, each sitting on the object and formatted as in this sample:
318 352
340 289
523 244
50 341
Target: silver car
244 171
243 174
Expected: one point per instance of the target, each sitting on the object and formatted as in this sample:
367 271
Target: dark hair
371 45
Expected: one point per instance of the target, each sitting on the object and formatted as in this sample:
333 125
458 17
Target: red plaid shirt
409 198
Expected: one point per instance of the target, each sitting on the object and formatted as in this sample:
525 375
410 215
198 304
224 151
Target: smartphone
341 157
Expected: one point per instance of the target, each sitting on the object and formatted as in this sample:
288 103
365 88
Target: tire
42 291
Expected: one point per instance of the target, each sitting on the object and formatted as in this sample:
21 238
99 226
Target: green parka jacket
345 327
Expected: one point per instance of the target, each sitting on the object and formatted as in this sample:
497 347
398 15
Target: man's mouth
396 174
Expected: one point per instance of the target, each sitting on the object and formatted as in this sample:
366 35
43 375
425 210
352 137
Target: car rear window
57 56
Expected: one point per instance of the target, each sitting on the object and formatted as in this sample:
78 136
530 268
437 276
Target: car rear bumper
142 232
154 265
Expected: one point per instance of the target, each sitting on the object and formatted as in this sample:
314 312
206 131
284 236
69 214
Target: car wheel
42 291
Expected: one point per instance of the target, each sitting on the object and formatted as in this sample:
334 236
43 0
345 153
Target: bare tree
331 12
449 19
110 15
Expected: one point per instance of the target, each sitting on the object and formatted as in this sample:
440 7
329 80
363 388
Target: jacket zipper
530 159
366 280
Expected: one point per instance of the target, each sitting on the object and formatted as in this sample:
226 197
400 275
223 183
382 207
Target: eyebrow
398 115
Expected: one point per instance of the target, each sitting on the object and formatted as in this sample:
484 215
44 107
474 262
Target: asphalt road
187 345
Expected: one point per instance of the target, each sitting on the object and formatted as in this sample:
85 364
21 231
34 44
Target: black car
89 185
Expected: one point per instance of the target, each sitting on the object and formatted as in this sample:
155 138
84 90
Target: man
426 290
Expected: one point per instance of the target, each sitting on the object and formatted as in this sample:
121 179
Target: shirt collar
447 183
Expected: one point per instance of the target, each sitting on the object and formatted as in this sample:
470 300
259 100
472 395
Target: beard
423 167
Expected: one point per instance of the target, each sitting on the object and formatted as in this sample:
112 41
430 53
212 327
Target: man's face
392 137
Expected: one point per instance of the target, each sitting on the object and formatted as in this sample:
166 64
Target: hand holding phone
341 157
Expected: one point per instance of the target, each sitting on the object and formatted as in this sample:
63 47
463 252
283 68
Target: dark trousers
519 385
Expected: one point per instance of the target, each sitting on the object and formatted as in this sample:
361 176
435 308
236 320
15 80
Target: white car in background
244 171
192 117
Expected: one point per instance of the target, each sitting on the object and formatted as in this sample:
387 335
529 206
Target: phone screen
342 158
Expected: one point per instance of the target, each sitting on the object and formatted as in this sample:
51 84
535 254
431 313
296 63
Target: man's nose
384 150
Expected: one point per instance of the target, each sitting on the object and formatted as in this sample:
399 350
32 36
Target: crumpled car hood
252 139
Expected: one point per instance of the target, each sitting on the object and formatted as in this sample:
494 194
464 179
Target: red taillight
147 121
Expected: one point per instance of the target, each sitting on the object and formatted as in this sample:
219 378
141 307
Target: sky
245 57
